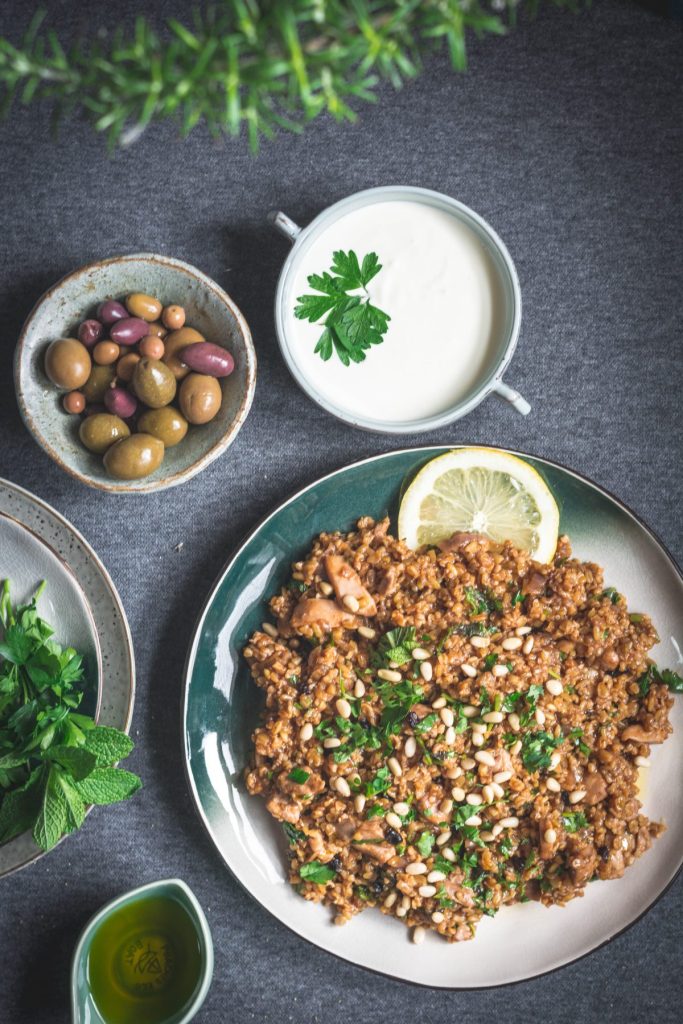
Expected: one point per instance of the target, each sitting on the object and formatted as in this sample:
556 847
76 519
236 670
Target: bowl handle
513 397
284 224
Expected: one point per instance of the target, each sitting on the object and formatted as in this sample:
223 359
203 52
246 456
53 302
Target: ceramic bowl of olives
135 372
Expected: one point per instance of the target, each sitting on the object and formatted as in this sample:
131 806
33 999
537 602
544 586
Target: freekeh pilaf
453 729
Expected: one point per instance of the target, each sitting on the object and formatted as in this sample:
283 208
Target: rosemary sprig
259 64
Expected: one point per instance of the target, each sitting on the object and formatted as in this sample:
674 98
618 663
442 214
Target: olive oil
144 962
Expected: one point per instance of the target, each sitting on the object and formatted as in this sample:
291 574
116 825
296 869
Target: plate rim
116 599
190 659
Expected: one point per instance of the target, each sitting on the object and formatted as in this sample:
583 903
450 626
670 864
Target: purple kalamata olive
120 402
128 331
110 311
90 332
211 360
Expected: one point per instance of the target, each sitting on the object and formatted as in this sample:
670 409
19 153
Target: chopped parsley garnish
425 843
317 872
531 697
574 820
425 724
476 600
441 864
612 593
397 645
443 899
511 700
294 835
298 586
537 748
299 776
518 598
666 676
380 783
575 737
376 811
490 660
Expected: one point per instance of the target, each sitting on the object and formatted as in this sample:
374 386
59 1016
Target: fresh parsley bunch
53 760
352 324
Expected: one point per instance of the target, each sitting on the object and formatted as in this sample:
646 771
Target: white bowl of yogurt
448 284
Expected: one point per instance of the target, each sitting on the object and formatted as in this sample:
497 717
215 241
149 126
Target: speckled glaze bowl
57 315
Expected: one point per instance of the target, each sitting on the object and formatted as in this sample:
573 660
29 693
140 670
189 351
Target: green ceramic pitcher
144 958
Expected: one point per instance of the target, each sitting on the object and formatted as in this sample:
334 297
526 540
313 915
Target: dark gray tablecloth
565 135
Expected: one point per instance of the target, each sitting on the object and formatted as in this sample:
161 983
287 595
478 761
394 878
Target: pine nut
477 739
554 687
418 935
446 716
576 796
510 822
469 670
427 890
389 675
390 900
469 711
443 837
359 688
522 630
488 794
401 808
331 743
485 757
553 785
528 646
426 670
486 837
502 777
474 799
306 732
420 654
496 829
453 773
478 727
325 588
405 902
641 761
367 632
494 717
343 708
515 748
437 917
359 803
539 715
343 787
395 767
468 763
550 836
439 703
401 911
480 642
449 737
458 793
393 820
554 761
270 629
473 819
445 807
350 602
498 791
511 643
448 854
436 876
513 722
410 746
416 867
500 670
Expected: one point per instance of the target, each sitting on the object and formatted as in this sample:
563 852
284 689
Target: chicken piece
641 734
596 788
613 866
457 541
345 828
347 583
388 581
317 611
369 838
502 759
582 860
455 890
534 584
283 810
313 785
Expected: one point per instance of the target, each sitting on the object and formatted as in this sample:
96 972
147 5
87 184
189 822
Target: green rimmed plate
221 709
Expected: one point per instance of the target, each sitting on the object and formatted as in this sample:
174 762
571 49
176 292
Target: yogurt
443 292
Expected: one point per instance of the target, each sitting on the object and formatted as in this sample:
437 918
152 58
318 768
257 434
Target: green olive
173 343
134 457
68 363
97 383
169 425
101 431
153 383
200 398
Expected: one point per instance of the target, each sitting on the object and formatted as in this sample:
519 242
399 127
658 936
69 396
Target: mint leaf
74 803
108 786
108 745
77 760
314 871
19 808
53 817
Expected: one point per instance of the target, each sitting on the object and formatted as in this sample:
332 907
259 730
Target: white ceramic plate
221 709
80 601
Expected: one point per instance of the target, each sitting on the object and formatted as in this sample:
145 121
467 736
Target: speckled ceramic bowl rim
116 600
74 578
189 665
487 384
204 460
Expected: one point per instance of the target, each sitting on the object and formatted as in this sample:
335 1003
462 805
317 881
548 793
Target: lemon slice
481 490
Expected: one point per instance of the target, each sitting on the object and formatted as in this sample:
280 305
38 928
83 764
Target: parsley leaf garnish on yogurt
351 324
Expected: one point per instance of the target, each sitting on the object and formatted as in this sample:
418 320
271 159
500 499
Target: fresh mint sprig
352 324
